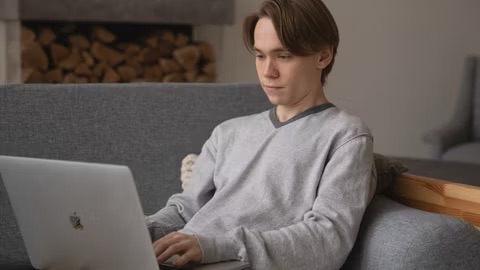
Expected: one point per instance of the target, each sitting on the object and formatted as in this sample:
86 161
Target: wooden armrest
438 196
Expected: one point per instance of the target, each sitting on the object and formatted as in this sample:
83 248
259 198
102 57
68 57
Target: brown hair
304 27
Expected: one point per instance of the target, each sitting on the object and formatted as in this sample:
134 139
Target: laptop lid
76 215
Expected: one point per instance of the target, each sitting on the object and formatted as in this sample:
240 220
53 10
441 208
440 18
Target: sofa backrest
149 127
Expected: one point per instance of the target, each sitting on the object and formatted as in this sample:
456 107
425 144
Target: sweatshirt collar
276 123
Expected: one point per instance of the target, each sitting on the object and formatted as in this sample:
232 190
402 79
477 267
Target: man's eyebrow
274 50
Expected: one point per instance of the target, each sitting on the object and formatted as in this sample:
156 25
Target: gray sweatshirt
279 195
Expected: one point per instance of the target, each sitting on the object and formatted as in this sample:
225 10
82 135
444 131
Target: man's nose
271 70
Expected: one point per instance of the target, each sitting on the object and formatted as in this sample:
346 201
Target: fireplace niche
93 52
110 41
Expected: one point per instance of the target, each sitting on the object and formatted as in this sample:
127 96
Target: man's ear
325 57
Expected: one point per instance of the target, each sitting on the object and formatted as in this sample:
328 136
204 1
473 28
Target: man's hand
184 245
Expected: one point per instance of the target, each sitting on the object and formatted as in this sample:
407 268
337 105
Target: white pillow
188 163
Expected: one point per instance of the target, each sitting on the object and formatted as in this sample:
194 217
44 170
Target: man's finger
163 243
184 259
178 248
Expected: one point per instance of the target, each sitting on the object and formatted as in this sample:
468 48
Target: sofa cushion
394 236
468 152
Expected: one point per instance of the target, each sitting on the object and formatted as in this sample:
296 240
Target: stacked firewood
99 56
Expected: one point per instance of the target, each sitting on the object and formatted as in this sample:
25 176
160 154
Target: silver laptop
76 215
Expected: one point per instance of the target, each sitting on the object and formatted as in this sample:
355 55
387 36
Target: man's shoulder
342 121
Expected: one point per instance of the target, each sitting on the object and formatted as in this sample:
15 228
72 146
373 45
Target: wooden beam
438 196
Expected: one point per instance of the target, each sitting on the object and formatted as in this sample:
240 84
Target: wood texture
438 196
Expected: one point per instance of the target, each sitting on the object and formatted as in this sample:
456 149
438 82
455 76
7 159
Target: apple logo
75 220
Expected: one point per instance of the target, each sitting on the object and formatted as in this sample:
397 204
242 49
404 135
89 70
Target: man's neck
286 112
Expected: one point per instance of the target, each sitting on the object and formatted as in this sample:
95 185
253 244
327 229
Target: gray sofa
151 127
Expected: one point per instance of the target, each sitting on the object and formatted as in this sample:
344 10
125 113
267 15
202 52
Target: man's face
288 80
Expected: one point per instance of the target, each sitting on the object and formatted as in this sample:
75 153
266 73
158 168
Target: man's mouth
271 87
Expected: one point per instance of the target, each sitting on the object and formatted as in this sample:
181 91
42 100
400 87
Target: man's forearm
165 221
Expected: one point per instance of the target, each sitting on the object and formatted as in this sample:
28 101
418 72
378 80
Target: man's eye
259 56
284 56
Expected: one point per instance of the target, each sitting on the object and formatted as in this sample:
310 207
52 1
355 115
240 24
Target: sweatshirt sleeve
325 236
181 207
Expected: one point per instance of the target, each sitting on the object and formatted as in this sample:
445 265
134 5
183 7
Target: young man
286 188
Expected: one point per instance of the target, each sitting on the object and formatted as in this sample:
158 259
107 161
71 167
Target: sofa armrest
438 196
459 128
445 137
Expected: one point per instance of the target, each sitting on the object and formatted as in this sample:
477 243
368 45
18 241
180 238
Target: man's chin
274 101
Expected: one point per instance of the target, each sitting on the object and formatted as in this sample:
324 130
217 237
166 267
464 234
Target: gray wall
399 63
